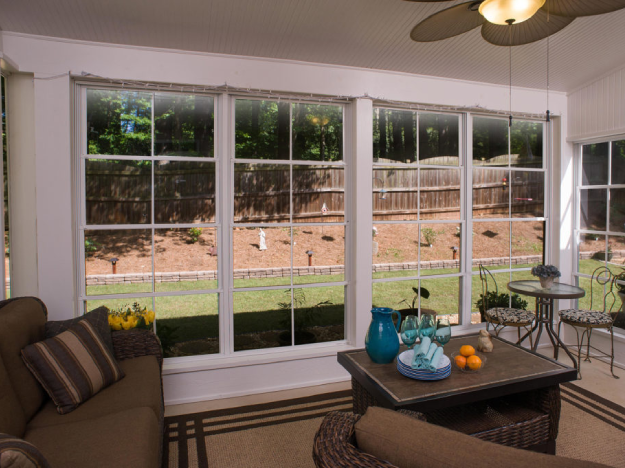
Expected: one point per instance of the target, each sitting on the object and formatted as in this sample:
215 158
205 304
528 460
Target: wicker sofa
121 426
384 438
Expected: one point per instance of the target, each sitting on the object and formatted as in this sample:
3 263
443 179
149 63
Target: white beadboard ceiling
360 33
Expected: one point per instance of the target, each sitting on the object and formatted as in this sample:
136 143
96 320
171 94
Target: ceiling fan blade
426 1
534 29
448 23
574 8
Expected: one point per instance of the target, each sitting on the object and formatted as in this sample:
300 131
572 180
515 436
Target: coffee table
513 400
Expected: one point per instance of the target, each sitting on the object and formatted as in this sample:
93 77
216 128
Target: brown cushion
140 387
128 439
12 418
22 321
17 453
73 366
97 317
409 443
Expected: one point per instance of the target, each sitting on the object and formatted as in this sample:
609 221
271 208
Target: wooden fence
120 194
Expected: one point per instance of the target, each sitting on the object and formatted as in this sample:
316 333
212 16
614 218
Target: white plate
429 376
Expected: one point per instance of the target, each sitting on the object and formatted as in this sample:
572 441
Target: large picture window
149 223
289 224
600 226
417 215
508 208
233 253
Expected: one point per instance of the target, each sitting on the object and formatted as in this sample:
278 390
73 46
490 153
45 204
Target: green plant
430 235
194 234
91 246
166 334
424 293
494 299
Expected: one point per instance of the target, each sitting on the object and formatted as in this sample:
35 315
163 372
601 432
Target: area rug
280 434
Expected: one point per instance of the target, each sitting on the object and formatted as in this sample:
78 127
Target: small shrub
430 235
194 234
91 246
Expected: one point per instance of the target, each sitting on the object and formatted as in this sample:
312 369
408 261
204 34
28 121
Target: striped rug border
595 405
259 415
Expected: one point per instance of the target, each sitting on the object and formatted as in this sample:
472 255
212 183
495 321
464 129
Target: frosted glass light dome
509 11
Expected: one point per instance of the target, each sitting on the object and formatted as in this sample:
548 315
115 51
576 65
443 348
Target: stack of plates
405 359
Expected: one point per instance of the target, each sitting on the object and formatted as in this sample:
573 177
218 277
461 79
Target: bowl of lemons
468 360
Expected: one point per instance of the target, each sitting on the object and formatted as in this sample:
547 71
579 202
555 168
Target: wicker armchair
334 443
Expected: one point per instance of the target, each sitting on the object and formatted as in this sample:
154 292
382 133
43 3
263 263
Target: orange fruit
474 362
461 361
467 350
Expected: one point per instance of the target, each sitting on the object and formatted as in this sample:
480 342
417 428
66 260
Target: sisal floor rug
280 434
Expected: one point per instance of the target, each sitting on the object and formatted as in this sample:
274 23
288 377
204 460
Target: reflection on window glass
617 210
592 252
490 142
188 325
118 261
318 194
317 132
183 125
262 319
491 244
439 194
185 259
528 190
526 144
261 193
595 164
395 193
618 162
394 135
438 139
118 192
119 122
528 243
491 193
262 129
184 192
593 209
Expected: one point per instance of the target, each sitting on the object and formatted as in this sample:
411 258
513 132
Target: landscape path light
114 261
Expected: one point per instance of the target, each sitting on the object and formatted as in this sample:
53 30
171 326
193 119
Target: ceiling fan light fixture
509 11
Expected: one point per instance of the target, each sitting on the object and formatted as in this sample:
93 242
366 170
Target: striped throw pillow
17 453
73 366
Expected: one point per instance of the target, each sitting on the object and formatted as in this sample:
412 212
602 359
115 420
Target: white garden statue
263 245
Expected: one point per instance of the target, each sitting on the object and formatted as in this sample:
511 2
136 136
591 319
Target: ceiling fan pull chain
510 72
548 119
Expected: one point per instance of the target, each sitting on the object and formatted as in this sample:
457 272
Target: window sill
250 358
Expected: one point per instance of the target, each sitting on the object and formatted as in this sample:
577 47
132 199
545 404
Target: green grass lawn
195 316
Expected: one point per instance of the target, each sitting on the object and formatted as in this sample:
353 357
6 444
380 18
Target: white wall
597 109
52 127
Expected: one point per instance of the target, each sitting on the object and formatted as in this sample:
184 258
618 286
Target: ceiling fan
508 22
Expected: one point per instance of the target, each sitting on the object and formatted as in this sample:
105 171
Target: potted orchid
546 274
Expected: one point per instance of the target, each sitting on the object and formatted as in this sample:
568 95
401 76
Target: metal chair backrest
603 277
484 274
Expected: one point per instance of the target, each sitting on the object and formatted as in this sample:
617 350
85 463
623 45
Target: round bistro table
544 309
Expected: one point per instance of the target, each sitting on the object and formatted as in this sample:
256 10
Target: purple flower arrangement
546 271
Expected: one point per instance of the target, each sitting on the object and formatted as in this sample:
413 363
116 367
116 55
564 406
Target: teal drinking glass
410 330
443 331
427 327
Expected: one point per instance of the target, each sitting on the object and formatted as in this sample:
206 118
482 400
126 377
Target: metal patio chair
589 319
501 317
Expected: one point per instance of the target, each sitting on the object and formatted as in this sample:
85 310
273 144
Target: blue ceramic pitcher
381 342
